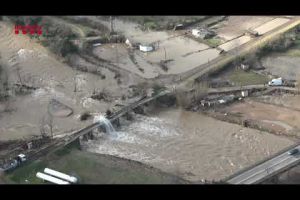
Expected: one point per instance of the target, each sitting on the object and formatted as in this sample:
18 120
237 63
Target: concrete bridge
59 142
113 117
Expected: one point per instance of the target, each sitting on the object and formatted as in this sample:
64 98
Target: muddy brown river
188 144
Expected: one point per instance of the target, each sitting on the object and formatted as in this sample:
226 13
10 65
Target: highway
267 169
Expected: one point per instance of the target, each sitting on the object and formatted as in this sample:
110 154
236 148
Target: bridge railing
260 162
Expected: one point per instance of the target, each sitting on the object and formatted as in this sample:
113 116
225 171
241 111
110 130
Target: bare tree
111 18
46 125
19 74
4 88
165 53
50 123
42 127
3 82
75 80
297 84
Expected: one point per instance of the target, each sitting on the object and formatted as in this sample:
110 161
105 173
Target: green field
240 77
91 169
213 42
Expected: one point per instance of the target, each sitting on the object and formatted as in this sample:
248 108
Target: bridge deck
113 117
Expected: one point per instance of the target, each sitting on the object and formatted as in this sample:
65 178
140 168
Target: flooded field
188 144
118 54
184 54
55 80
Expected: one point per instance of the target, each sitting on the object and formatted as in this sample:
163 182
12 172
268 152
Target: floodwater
177 48
174 49
188 144
42 69
118 54
172 46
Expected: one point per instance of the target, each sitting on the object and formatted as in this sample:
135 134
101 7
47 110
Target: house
244 67
203 33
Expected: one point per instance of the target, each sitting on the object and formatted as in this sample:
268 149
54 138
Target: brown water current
189 144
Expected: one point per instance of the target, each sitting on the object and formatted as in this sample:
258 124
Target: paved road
266 169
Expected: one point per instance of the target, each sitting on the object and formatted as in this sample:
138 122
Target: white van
276 82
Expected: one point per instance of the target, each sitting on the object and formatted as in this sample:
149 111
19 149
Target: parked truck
13 163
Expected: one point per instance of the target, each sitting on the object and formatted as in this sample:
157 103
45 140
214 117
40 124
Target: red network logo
32 29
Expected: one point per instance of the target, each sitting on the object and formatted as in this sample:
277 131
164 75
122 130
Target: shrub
68 47
157 88
85 116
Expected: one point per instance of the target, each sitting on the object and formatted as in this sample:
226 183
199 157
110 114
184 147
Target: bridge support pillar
79 139
90 135
116 122
129 116
139 110
85 137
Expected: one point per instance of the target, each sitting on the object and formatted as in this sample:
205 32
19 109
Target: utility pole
111 25
19 75
75 80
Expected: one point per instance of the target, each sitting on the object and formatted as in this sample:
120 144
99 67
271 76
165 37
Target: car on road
293 151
